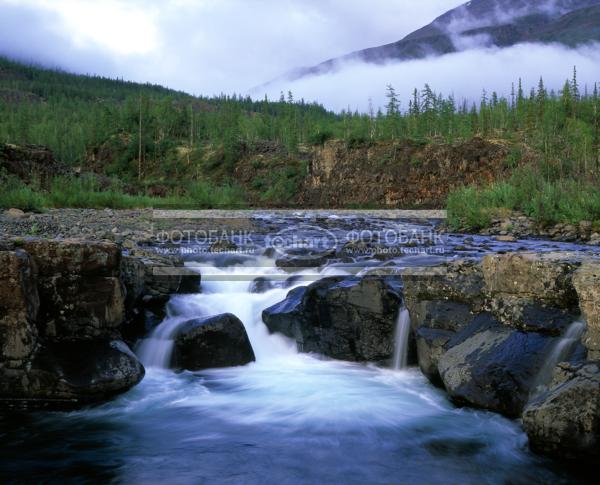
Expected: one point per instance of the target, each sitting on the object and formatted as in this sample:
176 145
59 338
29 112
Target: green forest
143 135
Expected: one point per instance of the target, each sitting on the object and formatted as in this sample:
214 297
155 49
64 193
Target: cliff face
398 175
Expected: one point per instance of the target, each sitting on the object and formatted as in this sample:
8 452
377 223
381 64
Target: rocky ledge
66 307
351 319
501 334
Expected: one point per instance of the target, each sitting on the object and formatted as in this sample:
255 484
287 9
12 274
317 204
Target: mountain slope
500 23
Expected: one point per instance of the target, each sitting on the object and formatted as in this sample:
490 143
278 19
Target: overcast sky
213 46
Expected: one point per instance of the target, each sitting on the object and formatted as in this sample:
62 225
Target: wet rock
19 305
261 285
214 342
587 284
71 373
441 301
294 262
150 279
343 318
491 366
564 422
431 345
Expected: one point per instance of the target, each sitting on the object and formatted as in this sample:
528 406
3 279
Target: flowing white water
401 340
561 352
224 290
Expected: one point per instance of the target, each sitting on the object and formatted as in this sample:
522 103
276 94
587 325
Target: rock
343 318
587 284
150 279
308 260
223 246
459 281
441 301
15 213
214 342
79 286
19 306
72 373
62 308
431 345
506 238
491 366
261 285
532 291
564 422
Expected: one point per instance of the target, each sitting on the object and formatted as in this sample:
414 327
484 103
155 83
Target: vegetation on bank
147 136
69 192
547 200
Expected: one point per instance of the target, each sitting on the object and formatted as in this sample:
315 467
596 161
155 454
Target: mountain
500 23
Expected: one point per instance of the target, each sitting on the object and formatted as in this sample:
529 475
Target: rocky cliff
398 175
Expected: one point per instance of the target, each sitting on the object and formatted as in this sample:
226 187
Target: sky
224 46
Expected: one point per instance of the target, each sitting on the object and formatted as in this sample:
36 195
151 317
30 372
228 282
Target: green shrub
546 201
21 197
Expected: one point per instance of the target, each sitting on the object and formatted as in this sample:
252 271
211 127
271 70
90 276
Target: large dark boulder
213 342
564 422
73 373
346 318
494 367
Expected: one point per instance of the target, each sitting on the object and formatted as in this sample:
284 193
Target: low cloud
202 46
463 74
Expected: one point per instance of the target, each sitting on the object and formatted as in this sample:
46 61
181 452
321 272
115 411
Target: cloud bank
463 74
202 46
224 46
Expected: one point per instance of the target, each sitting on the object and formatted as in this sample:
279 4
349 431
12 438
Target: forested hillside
152 141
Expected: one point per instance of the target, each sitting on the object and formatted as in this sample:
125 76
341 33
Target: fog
225 46
463 74
202 46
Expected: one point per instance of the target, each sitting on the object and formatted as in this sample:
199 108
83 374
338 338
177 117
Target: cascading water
560 352
224 290
401 340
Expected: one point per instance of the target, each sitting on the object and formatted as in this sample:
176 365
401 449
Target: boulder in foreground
213 342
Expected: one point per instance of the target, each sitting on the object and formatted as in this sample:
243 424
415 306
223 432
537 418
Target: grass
86 193
548 202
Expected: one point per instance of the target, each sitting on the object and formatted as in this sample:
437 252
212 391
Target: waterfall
401 340
156 350
560 352
224 290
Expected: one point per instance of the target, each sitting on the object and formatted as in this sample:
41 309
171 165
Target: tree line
152 128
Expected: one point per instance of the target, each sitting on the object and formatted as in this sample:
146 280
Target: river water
287 418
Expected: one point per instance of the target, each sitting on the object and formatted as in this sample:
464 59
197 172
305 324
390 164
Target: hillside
78 141
484 23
